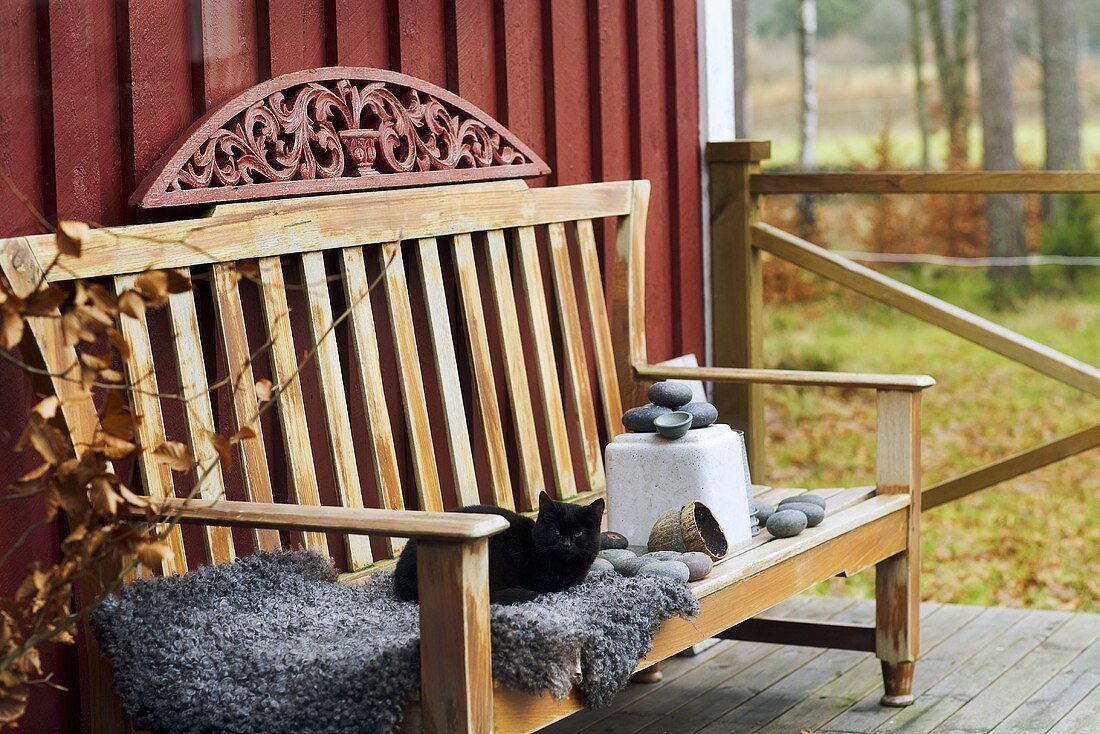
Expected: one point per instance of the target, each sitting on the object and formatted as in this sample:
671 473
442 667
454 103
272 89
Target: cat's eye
578 534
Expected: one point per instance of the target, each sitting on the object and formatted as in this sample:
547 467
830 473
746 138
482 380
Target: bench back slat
291 404
145 404
488 369
446 371
198 417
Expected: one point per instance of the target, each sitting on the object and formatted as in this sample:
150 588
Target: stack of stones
792 516
666 397
618 555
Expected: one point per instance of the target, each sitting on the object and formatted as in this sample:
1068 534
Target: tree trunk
951 63
807 113
1004 212
916 50
741 68
1061 108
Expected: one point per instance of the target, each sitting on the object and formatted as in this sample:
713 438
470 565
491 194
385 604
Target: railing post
737 292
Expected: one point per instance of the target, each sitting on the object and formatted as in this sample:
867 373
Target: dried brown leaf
71 237
264 390
132 304
152 555
47 407
176 455
13 329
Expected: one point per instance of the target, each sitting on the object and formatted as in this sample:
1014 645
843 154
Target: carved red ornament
334 129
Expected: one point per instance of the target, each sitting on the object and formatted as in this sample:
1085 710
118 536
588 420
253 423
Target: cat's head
567 532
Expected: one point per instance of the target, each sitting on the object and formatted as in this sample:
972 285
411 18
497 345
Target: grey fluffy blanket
271 643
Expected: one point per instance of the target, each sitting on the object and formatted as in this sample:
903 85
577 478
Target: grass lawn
1031 542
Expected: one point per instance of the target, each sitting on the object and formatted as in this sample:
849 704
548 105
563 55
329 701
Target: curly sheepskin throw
271 643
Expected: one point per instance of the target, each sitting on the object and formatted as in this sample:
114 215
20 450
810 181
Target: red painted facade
97 90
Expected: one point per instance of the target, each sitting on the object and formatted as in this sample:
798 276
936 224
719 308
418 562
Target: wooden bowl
692 527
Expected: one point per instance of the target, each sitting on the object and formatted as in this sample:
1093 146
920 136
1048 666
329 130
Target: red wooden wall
97 89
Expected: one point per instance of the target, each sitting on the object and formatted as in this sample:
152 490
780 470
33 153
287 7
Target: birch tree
916 52
807 109
952 56
740 68
1061 107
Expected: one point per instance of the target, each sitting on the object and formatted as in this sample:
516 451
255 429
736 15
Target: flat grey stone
669 394
763 512
633 566
786 523
814 514
702 414
640 419
664 555
699 564
669 569
613 541
600 564
613 554
805 497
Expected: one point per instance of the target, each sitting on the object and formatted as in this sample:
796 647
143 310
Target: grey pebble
763 512
669 394
613 541
639 550
664 555
699 564
668 569
600 564
640 419
613 554
786 523
814 514
702 414
632 566
805 497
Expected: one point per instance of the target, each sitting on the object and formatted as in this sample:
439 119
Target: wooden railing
737 239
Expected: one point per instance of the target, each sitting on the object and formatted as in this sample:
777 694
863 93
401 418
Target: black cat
551 553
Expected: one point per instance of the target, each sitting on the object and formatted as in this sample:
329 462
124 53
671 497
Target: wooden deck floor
981 670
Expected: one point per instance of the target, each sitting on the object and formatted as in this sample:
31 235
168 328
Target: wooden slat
365 338
515 370
412 382
804 378
257 481
198 417
960 322
335 402
291 405
835 636
628 291
289 226
601 331
482 368
946 182
575 360
1012 466
527 252
446 372
144 402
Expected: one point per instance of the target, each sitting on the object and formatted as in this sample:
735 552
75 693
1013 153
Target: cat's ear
594 511
546 502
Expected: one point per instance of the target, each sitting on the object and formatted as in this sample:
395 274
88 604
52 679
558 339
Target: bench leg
456 680
897 579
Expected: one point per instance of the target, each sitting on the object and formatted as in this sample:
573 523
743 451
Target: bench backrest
488 336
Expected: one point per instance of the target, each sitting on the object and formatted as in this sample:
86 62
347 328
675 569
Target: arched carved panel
334 129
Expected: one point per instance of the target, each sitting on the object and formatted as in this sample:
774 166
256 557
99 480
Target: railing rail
737 239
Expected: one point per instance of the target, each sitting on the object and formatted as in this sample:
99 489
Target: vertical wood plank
334 399
295 34
291 405
737 303
446 372
156 475
628 295
522 65
412 381
472 52
234 343
361 33
526 249
224 50
198 416
515 370
575 359
568 91
649 126
685 214
84 88
484 384
365 340
419 40
897 579
606 374
456 682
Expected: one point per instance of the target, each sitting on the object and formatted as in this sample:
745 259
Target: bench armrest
437 526
804 378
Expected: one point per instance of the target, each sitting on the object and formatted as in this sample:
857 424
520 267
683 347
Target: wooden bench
488 365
